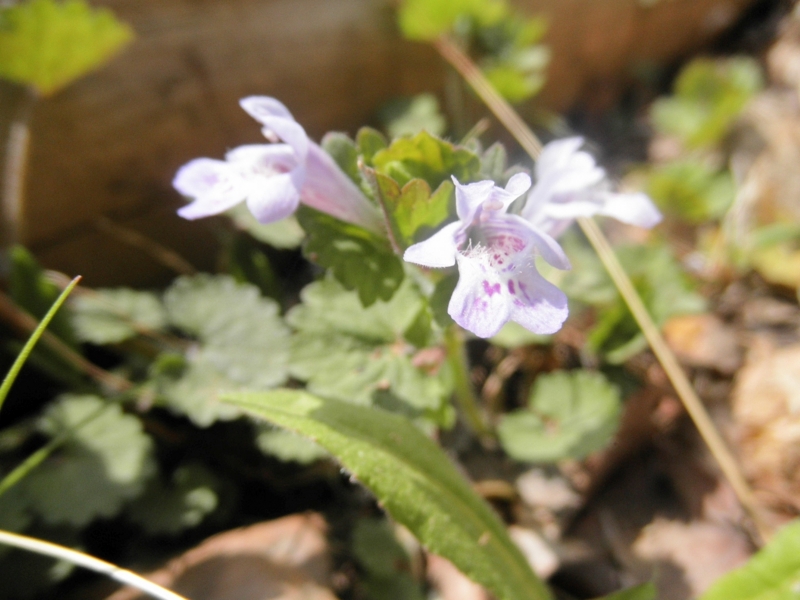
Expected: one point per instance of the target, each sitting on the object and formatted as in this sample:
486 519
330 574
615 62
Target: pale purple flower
274 178
569 184
495 252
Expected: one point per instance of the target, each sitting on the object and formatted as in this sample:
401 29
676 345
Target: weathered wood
111 143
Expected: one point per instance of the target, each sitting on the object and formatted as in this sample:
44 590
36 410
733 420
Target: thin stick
167 257
88 562
24 321
464 391
15 170
694 406
38 330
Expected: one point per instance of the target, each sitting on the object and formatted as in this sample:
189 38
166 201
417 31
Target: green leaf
494 162
514 335
182 503
709 95
385 561
772 574
690 190
289 447
105 462
646 591
344 152
27 349
665 289
360 355
370 141
413 212
31 290
48 44
409 116
413 480
243 344
358 259
569 415
112 316
427 157
285 234
514 84
426 20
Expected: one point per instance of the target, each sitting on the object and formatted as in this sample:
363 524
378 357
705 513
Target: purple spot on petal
491 290
511 287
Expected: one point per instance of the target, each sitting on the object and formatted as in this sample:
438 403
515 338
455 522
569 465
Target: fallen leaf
284 559
704 340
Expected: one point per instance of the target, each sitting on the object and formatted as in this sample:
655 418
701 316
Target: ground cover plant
477 392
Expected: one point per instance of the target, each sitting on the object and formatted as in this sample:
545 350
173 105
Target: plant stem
88 562
464 391
35 459
38 330
24 321
694 406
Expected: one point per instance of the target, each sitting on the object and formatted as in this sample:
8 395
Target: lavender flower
495 252
274 178
569 184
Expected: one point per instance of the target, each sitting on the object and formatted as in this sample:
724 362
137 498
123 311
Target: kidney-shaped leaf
413 480
48 44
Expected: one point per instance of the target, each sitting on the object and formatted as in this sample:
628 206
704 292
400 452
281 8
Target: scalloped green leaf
569 415
288 446
104 463
772 574
412 479
48 44
361 355
242 344
425 20
409 116
113 316
285 234
427 157
414 213
709 95
357 258
181 503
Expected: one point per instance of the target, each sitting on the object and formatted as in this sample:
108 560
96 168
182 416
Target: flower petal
264 107
274 198
329 190
537 304
438 251
214 185
470 197
480 302
557 154
277 120
549 249
635 209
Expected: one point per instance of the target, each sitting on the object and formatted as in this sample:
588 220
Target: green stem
464 392
38 457
28 348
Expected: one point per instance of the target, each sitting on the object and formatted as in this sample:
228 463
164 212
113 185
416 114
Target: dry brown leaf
704 341
766 409
689 557
284 559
